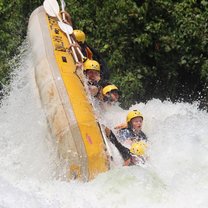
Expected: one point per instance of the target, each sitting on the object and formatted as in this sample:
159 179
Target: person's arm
144 136
67 17
125 152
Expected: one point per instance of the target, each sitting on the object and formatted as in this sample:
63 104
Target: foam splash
175 175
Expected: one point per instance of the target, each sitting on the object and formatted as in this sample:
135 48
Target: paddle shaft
63 9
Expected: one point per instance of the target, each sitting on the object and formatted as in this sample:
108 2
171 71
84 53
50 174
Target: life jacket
128 133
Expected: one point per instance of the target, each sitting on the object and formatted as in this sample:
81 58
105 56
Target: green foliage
154 48
13 29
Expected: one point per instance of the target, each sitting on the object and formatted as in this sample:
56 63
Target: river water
176 174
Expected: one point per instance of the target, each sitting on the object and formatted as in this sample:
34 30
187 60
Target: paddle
66 28
63 5
52 9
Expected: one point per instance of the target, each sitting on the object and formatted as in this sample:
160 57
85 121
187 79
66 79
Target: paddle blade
66 28
51 7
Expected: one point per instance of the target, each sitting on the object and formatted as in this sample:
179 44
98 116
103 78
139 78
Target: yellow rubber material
90 131
69 113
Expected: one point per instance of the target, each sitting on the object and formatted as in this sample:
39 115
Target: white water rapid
176 174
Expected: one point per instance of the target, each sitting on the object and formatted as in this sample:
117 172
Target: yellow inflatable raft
69 112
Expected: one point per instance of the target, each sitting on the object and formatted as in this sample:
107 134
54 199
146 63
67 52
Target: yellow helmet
133 114
138 148
91 64
79 35
109 88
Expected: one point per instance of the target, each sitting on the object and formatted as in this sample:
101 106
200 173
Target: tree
154 48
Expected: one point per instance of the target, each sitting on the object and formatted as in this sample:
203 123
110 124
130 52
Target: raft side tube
70 115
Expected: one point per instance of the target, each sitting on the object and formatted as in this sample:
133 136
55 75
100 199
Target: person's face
93 75
114 96
137 123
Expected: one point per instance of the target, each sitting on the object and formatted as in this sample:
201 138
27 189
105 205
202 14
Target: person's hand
137 160
77 45
67 18
107 131
73 45
79 65
127 162
93 90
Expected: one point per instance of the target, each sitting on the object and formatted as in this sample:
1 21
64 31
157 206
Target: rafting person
91 53
134 121
110 93
129 135
80 38
91 69
135 154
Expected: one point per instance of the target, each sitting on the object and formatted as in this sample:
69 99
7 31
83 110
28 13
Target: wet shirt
124 151
128 133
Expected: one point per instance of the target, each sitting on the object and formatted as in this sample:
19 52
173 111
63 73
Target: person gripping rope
90 53
80 38
134 155
132 141
66 17
91 69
